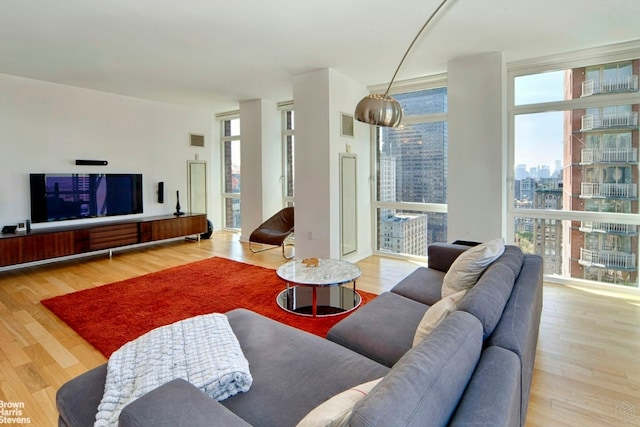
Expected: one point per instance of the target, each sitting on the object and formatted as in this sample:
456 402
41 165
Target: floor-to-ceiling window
230 142
288 153
574 151
410 206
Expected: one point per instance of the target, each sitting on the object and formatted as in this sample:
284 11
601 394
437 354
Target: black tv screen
57 197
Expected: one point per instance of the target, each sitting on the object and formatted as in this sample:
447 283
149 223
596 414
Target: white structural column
260 163
319 99
477 147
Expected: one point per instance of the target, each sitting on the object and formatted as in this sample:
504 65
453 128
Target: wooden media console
47 243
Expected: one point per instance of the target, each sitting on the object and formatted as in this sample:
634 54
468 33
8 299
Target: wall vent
196 140
346 121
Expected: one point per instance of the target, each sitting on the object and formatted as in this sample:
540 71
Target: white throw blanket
202 350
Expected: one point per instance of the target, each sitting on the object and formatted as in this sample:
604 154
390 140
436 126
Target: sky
539 136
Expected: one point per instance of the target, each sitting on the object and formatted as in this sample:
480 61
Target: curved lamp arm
384 110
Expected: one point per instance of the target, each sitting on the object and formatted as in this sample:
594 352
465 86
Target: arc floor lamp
382 109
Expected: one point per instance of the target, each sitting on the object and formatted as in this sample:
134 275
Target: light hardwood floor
587 367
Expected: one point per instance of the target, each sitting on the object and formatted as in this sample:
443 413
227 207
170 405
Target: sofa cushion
336 411
512 258
465 270
382 330
293 367
487 299
424 387
423 285
436 314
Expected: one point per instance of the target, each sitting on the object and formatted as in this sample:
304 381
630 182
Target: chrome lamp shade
380 110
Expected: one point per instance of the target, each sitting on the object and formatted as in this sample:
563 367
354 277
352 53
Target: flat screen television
58 197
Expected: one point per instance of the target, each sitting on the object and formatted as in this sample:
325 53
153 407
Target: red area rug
108 316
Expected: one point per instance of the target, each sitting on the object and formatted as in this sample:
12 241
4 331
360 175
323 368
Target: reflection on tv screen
56 197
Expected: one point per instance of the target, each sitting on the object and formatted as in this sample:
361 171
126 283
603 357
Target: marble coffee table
319 291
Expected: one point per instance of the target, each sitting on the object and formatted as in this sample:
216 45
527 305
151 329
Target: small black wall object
161 192
92 162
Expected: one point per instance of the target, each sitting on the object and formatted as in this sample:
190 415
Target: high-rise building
557 172
398 233
404 234
544 172
524 192
521 171
547 233
601 174
412 168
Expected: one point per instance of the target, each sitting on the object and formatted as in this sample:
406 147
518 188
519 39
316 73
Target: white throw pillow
467 268
436 314
336 411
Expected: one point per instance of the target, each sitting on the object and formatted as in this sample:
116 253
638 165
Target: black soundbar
92 162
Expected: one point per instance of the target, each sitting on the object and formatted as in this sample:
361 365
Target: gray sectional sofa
475 368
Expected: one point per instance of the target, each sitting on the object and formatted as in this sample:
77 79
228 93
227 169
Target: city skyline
556 167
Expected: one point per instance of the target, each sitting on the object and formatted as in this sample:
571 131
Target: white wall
345 95
319 98
45 127
477 132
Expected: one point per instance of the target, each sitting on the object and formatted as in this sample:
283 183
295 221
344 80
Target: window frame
225 196
582 59
285 108
415 85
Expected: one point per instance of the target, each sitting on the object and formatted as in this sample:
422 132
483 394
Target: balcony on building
597 122
613 260
620 84
609 228
596 190
609 155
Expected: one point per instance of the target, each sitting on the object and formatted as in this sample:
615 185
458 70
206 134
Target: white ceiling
212 54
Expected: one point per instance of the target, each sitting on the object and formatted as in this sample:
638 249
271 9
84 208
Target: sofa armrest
492 397
440 256
178 403
78 399
519 325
